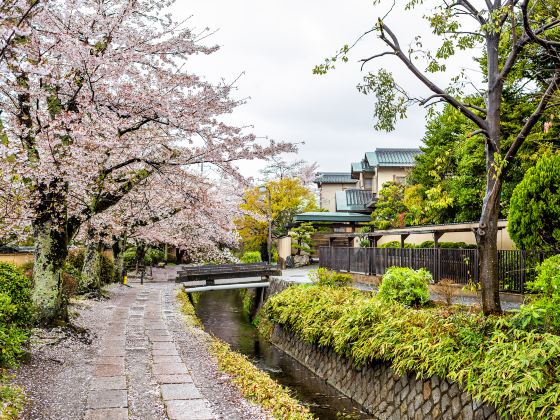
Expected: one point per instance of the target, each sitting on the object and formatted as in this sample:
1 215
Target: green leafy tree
389 210
302 235
284 198
534 216
521 45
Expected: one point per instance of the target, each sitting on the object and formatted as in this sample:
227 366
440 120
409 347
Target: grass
12 399
254 384
516 371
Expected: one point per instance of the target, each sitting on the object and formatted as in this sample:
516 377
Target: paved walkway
138 355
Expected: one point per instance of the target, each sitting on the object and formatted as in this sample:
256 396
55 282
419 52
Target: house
356 191
329 183
381 166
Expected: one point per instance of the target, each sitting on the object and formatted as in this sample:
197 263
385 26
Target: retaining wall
376 386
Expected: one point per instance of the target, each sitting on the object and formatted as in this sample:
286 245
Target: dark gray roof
331 217
334 178
354 200
392 157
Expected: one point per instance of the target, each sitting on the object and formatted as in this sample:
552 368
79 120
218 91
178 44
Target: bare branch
545 43
373 57
393 43
534 118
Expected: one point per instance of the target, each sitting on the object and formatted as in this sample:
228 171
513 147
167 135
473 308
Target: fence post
349 262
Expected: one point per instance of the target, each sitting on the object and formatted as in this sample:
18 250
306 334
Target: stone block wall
380 390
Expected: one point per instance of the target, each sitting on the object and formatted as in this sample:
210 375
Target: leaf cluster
514 370
16 313
534 217
329 278
405 285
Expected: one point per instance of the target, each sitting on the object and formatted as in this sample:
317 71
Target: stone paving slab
166 359
188 410
180 392
110 360
107 414
161 338
174 379
165 352
108 382
112 398
163 345
169 368
108 370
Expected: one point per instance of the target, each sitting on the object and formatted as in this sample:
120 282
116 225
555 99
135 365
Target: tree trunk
91 280
51 249
118 250
487 240
140 254
487 233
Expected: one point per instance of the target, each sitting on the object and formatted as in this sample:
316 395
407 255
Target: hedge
516 371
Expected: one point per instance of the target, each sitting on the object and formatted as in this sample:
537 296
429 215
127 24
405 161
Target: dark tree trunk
118 250
487 233
51 249
140 254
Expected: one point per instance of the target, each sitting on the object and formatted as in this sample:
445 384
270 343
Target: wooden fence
459 265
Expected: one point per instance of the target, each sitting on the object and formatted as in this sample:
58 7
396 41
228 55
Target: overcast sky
276 44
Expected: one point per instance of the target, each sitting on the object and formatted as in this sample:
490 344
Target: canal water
222 314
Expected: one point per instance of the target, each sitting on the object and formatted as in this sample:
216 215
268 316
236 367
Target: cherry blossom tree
97 99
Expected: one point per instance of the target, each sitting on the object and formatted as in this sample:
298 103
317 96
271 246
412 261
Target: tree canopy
534 218
287 196
520 44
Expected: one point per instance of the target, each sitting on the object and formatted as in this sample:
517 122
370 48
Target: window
400 179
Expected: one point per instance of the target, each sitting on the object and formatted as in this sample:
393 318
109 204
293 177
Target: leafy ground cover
518 371
15 325
254 384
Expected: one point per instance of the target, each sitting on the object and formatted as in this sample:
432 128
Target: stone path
138 372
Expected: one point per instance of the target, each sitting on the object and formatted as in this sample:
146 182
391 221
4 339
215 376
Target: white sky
276 44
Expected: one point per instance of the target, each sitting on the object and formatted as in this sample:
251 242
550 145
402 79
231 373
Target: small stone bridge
226 276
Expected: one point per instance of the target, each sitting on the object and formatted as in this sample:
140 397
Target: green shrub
447 245
406 286
325 277
251 257
395 244
129 256
15 313
16 286
154 256
543 309
516 371
12 398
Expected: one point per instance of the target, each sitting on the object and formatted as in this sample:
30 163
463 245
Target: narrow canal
222 314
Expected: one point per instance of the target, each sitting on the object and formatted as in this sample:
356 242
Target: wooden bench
206 275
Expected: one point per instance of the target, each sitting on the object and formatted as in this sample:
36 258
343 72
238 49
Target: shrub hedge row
516 371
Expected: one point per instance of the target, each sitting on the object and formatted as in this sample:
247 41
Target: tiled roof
331 217
334 178
358 197
362 166
354 200
392 157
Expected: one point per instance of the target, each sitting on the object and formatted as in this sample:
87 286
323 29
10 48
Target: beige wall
16 259
504 241
384 175
327 194
284 246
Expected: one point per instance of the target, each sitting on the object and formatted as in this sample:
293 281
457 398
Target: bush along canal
224 315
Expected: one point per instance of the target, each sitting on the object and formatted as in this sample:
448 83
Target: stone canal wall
376 386
380 390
